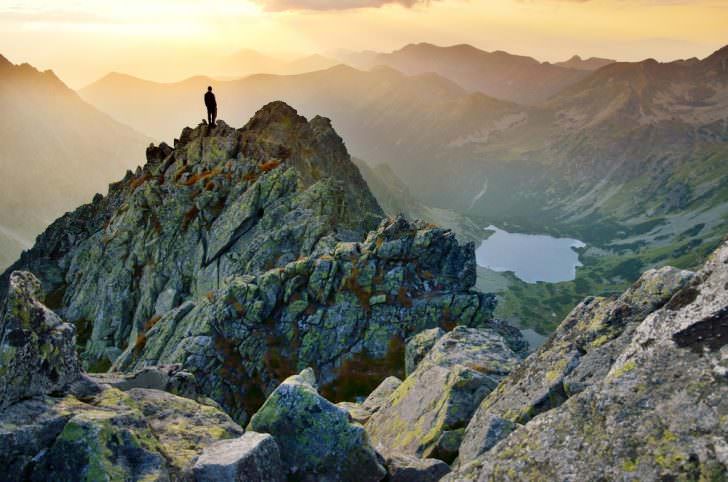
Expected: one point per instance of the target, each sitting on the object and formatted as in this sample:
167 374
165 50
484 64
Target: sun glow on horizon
168 40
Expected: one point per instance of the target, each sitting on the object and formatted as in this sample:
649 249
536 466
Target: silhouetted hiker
211 105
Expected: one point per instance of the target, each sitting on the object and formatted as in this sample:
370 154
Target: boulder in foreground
254 457
641 390
316 439
426 415
37 349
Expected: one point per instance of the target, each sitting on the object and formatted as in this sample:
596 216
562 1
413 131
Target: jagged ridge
243 256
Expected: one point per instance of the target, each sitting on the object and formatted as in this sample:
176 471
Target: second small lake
531 257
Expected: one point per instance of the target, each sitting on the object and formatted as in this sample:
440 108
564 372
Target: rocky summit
247 278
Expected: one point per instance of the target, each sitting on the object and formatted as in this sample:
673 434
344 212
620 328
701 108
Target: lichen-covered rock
37 349
245 338
254 457
427 414
27 429
316 439
579 353
418 346
168 378
182 426
361 412
356 412
221 202
244 256
84 430
139 435
379 396
107 441
657 411
407 468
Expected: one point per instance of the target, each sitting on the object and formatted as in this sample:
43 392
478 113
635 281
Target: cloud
282 5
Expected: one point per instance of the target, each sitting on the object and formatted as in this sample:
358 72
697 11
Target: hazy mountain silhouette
56 151
498 74
592 63
382 114
627 143
247 62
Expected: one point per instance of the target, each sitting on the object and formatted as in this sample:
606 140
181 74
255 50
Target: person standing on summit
211 105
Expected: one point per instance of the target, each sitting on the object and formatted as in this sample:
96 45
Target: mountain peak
276 112
718 59
4 62
253 234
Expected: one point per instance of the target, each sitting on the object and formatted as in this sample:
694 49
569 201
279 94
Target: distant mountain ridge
629 159
248 62
55 151
498 74
592 63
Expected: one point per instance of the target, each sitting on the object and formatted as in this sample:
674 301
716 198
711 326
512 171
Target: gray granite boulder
426 415
418 346
254 457
37 349
316 439
654 409
580 353
407 468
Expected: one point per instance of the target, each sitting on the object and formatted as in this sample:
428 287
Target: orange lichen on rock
270 165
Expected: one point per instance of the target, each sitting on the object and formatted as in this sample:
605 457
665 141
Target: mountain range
55 142
626 157
248 62
516 78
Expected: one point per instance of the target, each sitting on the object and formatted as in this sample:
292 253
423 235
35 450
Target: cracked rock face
633 388
221 202
37 349
426 415
244 256
58 424
346 314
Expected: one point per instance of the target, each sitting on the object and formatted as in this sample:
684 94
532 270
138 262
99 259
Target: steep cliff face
223 201
243 255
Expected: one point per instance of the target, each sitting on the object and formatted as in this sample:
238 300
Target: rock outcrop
168 378
345 314
244 256
419 346
426 415
362 412
316 438
407 468
254 457
221 202
579 353
37 349
58 424
632 389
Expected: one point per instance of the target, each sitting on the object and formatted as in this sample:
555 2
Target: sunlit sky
168 40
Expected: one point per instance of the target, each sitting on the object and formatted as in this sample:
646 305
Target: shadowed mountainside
55 151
